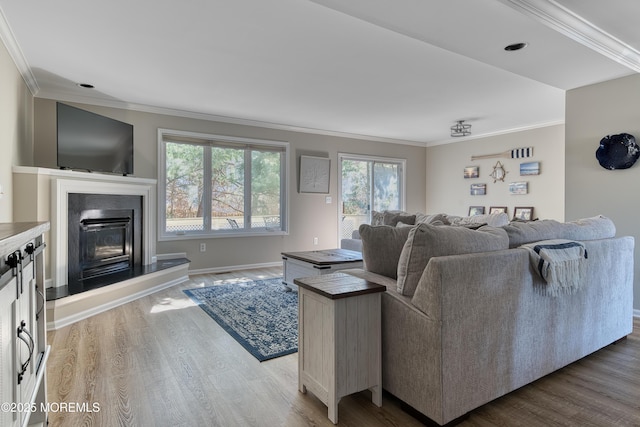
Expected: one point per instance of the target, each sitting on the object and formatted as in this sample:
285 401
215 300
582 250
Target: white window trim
284 197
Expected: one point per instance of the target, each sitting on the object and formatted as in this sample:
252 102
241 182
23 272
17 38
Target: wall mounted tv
92 142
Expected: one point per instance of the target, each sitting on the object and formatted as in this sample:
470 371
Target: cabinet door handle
44 302
22 329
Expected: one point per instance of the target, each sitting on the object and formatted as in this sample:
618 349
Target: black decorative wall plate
618 151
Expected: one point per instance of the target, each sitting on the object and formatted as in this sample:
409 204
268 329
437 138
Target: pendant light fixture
460 129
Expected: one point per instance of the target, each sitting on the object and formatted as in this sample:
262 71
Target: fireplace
104 239
105 245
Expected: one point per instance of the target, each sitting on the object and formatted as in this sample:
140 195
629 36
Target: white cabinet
23 345
8 386
339 344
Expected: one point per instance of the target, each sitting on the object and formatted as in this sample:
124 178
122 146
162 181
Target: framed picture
497 209
476 210
472 171
523 213
521 187
478 189
314 174
530 168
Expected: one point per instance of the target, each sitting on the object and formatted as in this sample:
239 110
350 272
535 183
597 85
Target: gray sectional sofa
465 318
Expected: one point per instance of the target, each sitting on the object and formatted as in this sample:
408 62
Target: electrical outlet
315 240
203 247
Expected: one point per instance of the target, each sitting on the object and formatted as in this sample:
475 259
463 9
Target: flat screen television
92 142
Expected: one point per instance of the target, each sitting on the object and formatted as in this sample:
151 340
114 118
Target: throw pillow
426 241
377 218
393 217
381 248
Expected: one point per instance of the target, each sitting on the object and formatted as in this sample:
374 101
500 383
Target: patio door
366 184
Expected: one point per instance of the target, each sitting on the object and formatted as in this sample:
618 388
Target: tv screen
92 142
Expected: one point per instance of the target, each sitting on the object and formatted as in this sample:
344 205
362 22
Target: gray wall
593 112
310 215
448 191
16 125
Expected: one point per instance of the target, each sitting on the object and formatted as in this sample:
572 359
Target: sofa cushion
495 219
392 217
381 248
597 227
426 241
435 219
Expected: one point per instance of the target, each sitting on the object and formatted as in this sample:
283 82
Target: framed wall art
472 171
478 189
523 213
476 210
530 168
497 209
521 187
314 174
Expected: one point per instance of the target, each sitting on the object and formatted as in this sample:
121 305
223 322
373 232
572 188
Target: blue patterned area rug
261 315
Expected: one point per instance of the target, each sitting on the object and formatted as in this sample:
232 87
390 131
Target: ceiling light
460 129
85 85
515 46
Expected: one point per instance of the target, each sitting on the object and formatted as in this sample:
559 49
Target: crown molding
563 20
498 133
216 118
9 40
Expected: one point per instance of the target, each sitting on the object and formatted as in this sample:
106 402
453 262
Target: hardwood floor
161 361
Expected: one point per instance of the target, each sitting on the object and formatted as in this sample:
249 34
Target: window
212 185
368 183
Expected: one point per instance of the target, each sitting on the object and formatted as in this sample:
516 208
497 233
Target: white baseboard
636 313
228 268
171 256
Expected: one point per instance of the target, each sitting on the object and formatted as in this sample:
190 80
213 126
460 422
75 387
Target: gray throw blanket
561 263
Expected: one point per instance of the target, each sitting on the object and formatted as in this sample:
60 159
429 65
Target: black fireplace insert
104 238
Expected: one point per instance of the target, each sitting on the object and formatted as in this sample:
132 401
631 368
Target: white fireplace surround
116 185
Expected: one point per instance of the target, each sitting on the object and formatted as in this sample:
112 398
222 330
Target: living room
572 185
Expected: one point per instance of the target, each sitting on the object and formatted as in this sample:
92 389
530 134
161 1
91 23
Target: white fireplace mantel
54 186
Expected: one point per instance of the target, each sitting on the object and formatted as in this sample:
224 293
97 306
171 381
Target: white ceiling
390 70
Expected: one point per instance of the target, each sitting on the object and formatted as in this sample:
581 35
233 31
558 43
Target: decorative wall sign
478 189
521 187
472 171
516 153
618 151
530 168
314 174
498 173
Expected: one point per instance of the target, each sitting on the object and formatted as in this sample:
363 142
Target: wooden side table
339 345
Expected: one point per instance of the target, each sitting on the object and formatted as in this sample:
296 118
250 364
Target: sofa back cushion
392 218
426 241
494 219
597 227
381 248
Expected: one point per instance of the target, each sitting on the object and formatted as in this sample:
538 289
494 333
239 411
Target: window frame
212 140
402 164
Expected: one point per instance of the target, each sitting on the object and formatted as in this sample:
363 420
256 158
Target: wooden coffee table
316 263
